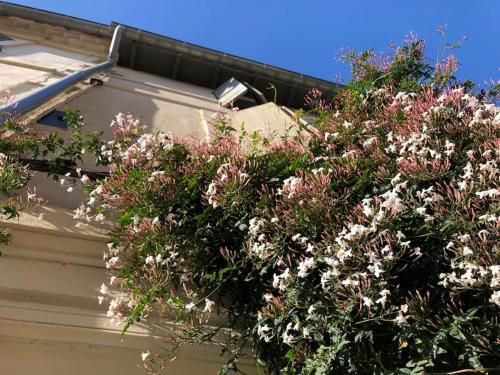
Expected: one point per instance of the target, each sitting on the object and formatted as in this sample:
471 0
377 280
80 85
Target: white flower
405 244
268 297
367 301
209 304
391 149
85 179
276 281
149 260
488 217
306 333
190 306
104 289
369 141
99 218
342 255
97 191
100 299
382 300
327 276
491 193
421 210
404 308
263 332
112 261
305 266
400 235
79 213
274 220
396 179
462 185
280 280
450 147
400 319
155 221
495 298
376 269
367 208
288 338
310 313
349 282
145 355
495 276
466 251
468 170
211 189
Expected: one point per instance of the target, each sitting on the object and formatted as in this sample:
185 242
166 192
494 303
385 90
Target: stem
44 166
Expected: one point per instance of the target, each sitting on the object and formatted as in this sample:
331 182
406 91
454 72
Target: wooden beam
176 66
133 55
291 95
215 79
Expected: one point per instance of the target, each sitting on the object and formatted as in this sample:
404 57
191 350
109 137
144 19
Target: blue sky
304 36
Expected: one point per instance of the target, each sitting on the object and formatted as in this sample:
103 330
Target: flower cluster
368 243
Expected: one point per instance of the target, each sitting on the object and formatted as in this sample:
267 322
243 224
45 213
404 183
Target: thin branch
63 169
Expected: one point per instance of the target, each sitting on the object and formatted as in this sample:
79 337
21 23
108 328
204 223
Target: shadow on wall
158 110
101 104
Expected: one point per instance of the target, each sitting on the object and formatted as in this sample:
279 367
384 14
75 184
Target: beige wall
50 321
161 104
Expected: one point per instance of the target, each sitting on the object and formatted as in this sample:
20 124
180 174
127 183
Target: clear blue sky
304 35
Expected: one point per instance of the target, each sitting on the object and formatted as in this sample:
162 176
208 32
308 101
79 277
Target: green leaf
290 355
400 116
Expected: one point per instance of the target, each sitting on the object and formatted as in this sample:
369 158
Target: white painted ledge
50 320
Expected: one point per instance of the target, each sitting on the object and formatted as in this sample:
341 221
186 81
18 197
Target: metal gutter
154 47
40 96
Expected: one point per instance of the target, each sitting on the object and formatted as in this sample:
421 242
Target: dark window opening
4 38
55 118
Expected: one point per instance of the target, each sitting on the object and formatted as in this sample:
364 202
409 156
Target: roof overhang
175 59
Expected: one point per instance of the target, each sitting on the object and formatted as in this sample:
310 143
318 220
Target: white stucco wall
50 320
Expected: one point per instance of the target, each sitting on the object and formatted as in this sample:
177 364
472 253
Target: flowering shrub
365 243
23 153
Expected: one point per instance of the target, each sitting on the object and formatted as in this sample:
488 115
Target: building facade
50 321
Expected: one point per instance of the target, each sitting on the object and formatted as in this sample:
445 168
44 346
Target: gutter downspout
40 96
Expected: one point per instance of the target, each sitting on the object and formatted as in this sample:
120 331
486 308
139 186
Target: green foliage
21 150
363 243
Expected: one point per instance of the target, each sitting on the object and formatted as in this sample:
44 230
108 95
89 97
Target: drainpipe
40 96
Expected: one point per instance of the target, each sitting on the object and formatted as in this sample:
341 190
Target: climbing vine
364 242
